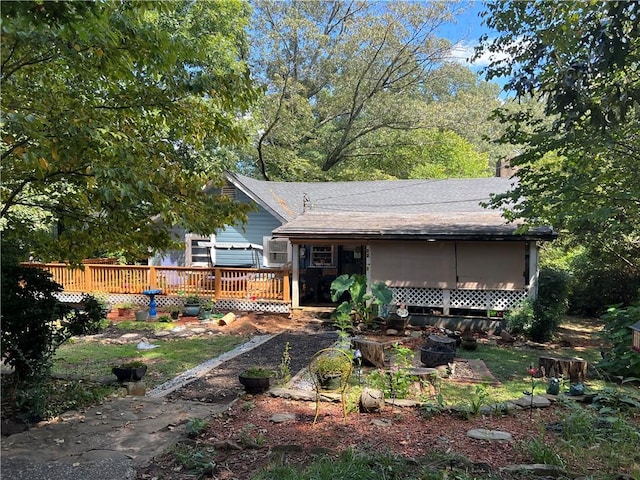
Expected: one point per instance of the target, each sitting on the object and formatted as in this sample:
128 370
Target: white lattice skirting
498 300
165 300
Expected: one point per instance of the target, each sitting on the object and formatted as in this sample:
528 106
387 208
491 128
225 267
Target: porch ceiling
424 226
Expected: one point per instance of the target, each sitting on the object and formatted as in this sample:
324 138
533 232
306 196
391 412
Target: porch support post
295 275
446 301
533 270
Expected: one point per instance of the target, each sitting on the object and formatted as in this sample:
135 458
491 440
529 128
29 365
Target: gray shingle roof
383 196
421 209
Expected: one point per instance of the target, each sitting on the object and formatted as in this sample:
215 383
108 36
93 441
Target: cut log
573 368
228 319
372 351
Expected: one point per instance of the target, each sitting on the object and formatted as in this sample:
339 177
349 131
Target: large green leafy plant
361 301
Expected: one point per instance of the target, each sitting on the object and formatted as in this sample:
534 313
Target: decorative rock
198 330
283 417
493 435
162 333
538 401
371 400
392 331
380 422
501 407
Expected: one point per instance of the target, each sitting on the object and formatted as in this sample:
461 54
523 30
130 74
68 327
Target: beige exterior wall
414 264
450 265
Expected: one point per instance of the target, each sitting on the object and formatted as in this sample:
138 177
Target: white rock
484 434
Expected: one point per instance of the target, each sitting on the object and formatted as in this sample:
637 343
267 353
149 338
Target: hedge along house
429 240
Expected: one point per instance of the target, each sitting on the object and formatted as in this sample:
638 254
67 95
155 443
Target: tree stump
573 368
372 351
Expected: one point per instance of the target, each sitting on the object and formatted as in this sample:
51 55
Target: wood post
573 368
372 352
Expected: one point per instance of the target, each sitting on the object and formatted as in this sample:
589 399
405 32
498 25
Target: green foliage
620 359
352 94
550 305
360 464
612 441
360 301
34 322
107 108
195 427
284 368
251 437
580 61
519 319
165 319
538 450
397 381
197 459
89 319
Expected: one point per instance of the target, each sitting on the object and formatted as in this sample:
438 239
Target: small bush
620 359
520 319
550 305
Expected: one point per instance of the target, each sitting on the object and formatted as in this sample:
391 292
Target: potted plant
124 309
331 369
256 379
191 306
130 372
174 311
206 309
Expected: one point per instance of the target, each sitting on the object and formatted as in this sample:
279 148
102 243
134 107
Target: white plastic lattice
166 300
418 297
464 299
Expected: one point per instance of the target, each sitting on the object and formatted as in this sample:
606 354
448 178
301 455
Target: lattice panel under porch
163 301
418 297
249 306
486 299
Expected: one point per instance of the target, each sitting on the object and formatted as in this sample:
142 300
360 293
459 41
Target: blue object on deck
152 301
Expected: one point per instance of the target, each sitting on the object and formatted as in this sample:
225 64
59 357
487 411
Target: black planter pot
255 384
133 374
469 343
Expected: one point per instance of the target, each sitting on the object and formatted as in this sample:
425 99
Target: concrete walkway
109 441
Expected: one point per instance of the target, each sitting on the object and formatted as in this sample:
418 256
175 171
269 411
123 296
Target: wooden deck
218 283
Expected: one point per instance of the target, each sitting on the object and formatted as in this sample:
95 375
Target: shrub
520 319
620 359
550 305
89 319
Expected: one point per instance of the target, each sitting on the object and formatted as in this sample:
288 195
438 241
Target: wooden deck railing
219 283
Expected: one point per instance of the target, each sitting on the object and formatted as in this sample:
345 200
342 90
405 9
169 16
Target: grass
171 357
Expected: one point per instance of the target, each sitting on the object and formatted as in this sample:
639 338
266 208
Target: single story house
430 241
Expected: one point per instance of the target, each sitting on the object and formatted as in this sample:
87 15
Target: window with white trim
276 252
322 256
198 250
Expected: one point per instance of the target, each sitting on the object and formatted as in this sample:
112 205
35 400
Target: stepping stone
538 401
493 435
380 422
283 417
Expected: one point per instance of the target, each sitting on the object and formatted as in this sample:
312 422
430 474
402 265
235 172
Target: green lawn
172 357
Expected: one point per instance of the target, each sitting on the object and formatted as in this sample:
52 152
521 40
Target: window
198 250
321 256
276 252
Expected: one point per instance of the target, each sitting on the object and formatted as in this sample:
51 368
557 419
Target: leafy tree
106 106
338 74
576 168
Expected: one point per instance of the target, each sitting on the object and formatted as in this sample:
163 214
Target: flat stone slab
492 435
283 417
538 401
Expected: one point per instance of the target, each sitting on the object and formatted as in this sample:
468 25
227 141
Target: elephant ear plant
360 303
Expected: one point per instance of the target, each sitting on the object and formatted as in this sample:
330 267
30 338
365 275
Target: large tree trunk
573 368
